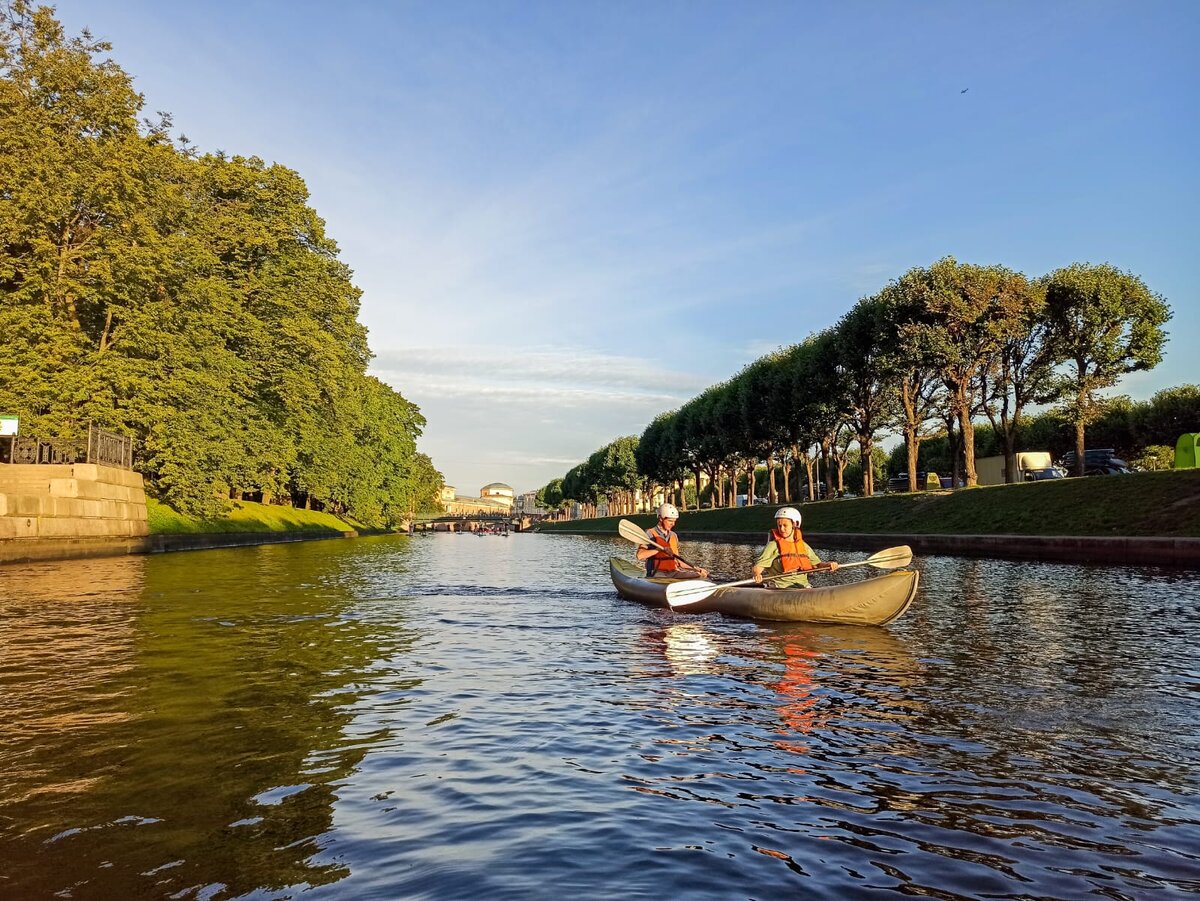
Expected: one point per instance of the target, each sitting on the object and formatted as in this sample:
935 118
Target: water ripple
391 718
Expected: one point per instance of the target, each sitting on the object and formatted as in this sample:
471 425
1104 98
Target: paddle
631 531
693 591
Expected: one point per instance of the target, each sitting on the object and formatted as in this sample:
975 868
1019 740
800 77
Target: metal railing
101 447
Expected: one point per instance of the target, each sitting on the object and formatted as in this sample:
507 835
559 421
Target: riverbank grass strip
245 516
1146 504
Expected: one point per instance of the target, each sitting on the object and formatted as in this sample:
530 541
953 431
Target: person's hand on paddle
832 564
757 572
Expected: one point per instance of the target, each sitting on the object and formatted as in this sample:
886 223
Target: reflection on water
449 716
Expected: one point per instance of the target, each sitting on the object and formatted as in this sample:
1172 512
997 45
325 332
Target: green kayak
872 602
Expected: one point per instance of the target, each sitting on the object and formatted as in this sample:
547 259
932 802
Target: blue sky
568 217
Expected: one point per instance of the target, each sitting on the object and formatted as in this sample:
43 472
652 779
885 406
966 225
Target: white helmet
668 511
789 513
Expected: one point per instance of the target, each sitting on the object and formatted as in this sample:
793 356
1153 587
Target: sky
569 217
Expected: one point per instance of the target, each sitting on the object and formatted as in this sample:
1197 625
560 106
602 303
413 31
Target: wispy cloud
504 371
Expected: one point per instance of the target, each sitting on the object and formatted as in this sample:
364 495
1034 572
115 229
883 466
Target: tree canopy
193 301
945 344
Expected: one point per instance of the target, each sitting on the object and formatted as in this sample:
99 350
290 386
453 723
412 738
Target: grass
1139 504
244 517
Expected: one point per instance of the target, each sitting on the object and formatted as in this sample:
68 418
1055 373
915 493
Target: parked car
1113 467
1042 475
925 480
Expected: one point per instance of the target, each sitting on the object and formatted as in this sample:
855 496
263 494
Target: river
453 716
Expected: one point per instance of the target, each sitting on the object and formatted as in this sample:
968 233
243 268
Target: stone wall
81 500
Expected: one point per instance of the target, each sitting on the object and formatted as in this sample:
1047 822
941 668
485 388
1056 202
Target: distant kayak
871 602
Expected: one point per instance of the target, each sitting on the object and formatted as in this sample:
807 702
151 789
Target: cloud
548 374
526 415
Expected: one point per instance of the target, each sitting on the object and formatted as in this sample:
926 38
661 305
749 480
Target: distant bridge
476 522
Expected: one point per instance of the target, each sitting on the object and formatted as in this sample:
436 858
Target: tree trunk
1080 450
787 482
967 429
868 470
825 445
913 445
955 457
772 491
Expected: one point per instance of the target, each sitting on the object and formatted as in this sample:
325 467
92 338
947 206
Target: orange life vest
793 555
662 562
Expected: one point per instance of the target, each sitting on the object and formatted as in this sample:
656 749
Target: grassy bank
245 517
1142 504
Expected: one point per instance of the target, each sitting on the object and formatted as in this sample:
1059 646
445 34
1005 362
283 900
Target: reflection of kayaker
799 708
872 669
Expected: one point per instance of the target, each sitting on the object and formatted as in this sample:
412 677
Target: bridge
479 522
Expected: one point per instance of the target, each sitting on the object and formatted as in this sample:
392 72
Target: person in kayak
787 559
656 557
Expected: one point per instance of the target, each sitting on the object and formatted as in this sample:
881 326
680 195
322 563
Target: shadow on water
179 723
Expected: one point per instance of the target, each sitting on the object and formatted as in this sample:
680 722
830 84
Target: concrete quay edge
1155 551
32 550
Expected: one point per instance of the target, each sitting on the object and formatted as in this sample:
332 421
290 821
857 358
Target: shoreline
22 550
1178 552
1145 550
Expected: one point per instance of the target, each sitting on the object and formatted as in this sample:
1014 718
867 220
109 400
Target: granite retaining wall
70 501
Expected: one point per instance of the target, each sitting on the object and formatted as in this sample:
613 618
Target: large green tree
959 315
192 301
1104 324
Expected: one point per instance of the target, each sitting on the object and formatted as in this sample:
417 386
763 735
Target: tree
1104 324
1167 415
864 364
550 495
958 315
918 385
1022 371
194 302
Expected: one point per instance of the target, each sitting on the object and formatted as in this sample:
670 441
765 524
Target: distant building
527 505
495 499
498 491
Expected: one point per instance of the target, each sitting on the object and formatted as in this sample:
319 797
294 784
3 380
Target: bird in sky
964 90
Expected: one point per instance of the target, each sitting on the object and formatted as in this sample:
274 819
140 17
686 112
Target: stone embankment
79 500
57 512
46 510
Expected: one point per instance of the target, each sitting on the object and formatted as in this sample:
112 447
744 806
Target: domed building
498 491
496 499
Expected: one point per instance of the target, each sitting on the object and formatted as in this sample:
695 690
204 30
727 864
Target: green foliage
1153 457
550 496
1143 503
1167 415
937 348
1104 324
194 302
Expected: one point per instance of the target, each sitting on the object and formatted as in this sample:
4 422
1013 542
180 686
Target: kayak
873 602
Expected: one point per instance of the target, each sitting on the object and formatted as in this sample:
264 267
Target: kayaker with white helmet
661 557
787 559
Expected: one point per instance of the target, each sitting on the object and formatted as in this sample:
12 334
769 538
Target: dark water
466 717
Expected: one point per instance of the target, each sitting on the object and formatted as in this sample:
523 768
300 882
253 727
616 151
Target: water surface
451 716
